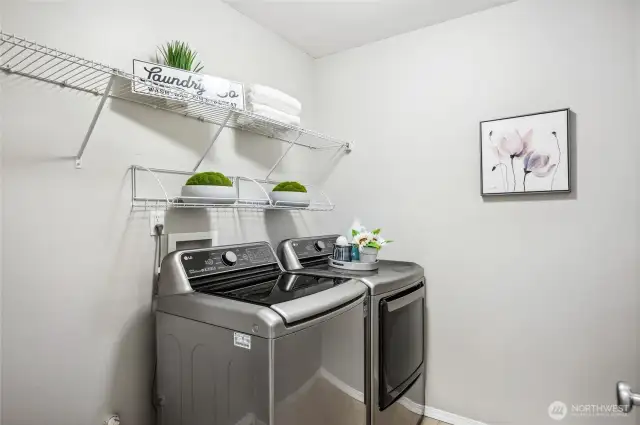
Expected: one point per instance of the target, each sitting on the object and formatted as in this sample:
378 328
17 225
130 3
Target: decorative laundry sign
188 85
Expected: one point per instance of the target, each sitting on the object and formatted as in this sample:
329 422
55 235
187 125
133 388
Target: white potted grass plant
290 194
209 187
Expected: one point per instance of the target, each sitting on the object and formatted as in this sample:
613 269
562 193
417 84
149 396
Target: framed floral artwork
525 154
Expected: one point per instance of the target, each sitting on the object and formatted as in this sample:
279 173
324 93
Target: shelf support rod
134 184
291 145
215 137
105 96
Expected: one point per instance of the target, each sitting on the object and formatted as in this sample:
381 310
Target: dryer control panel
205 262
313 247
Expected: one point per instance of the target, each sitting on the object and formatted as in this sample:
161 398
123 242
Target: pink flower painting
526 154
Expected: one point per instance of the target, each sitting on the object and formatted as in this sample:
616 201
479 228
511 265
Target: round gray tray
353 265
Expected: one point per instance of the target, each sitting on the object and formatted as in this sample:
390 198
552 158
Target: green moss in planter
290 187
209 178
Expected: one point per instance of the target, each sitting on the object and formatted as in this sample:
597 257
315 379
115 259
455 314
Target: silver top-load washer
395 327
241 342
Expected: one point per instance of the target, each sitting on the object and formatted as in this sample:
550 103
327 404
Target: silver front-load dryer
395 327
240 342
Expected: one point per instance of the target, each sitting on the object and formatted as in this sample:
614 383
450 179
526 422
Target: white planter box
201 194
290 199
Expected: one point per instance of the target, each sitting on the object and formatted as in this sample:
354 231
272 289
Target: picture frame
526 154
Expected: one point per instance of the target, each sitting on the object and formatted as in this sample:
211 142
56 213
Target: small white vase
368 254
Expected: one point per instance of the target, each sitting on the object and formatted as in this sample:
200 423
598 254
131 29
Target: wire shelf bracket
291 145
103 100
215 137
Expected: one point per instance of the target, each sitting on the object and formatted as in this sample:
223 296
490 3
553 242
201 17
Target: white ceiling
323 27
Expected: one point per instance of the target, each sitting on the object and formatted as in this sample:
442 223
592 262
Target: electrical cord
159 229
156 400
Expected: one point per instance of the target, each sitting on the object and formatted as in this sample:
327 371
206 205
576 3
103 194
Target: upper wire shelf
26 58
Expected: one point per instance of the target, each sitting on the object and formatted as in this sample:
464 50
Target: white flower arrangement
362 238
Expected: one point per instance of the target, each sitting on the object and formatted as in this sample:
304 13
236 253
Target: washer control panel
226 258
312 247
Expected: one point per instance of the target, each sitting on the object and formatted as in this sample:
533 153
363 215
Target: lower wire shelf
256 199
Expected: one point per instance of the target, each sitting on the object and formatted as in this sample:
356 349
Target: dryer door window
401 343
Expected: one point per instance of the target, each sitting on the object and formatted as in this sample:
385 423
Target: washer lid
320 304
283 288
295 297
391 275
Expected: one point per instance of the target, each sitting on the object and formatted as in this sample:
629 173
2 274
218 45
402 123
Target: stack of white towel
274 104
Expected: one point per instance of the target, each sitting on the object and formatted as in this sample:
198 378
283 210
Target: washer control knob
229 258
319 246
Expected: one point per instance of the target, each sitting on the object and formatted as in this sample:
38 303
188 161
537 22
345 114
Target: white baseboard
341 385
430 412
411 405
449 418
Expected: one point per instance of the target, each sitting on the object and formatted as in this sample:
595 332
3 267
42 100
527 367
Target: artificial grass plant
179 54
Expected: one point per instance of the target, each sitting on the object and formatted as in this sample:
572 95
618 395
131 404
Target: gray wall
532 299
637 112
1 232
526 297
77 282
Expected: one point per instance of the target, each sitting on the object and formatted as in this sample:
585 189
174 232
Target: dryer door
401 343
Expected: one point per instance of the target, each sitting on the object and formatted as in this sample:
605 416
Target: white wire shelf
257 198
25 58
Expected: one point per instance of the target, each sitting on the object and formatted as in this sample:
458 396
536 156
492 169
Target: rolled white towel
273 98
274 114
